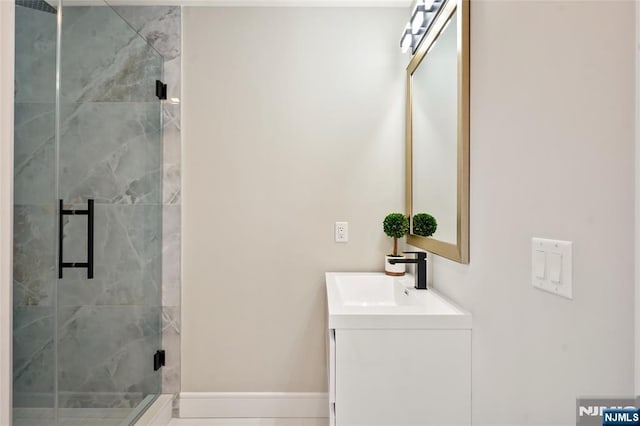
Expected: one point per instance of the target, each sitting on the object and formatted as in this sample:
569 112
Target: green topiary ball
424 224
396 225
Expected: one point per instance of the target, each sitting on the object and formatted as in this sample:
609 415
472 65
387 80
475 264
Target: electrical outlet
342 232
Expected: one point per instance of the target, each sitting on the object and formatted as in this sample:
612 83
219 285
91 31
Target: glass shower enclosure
87 216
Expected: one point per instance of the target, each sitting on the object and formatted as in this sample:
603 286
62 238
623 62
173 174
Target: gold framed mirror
437 133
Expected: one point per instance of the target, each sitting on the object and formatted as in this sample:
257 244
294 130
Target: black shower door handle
89 263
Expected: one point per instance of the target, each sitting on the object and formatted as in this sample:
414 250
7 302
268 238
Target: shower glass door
88 241
111 153
34 227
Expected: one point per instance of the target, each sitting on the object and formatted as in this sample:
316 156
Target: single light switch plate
556 264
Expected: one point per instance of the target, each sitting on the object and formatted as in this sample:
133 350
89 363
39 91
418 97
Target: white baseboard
254 405
159 413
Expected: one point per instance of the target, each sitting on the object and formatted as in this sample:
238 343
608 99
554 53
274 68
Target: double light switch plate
551 266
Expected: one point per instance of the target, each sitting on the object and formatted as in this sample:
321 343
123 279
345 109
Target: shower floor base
71 416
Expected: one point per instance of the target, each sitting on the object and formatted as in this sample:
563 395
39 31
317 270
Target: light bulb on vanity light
421 15
406 43
417 17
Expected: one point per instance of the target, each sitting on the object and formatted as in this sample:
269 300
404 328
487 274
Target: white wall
6 204
294 119
552 155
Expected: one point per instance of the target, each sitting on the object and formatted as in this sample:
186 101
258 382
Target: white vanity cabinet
400 377
391 364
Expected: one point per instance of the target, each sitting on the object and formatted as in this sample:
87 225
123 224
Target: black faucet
421 267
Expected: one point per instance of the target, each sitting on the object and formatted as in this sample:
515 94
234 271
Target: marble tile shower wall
108 98
34 195
161 26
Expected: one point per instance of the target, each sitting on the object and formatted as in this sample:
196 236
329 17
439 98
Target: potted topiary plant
395 225
424 224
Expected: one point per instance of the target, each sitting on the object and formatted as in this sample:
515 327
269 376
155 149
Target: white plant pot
396 270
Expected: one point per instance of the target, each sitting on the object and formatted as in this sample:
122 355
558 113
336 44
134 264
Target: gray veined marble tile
34 254
34 125
111 152
35 58
104 59
33 366
160 25
108 351
171 345
171 260
34 153
171 182
172 77
127 257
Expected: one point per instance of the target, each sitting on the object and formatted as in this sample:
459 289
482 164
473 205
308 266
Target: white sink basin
360 300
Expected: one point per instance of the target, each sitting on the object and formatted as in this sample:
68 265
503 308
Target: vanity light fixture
423 13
